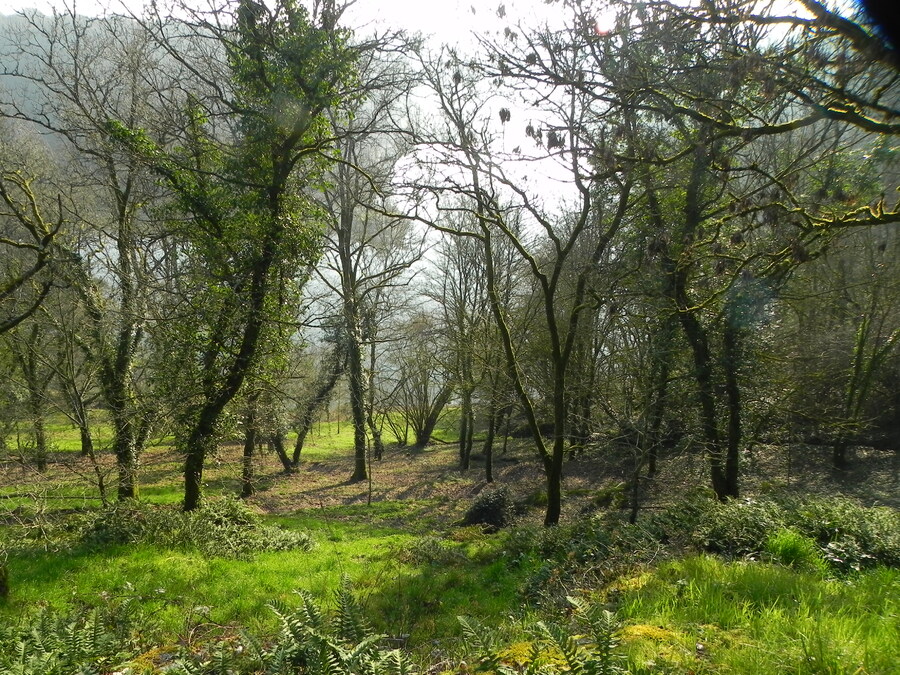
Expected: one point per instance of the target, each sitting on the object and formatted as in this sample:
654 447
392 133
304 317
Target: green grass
426 579
235 591
415 574
326 440
64 436
757 618
414 582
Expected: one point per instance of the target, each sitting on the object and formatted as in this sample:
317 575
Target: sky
450 19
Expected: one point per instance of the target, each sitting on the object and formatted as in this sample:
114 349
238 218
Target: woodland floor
432 477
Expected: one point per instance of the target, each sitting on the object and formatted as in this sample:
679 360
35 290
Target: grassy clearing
226 591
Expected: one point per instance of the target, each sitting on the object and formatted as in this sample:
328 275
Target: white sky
449 20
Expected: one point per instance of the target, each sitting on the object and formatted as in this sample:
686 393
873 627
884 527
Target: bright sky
448 19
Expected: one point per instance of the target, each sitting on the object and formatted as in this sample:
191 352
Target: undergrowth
107 638
803 582
224 528
833 536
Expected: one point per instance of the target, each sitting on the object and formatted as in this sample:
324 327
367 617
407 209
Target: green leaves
592 650
345 645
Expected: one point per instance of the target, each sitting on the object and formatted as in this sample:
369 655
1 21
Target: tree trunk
219 388
377 442
357 408
699 343
507 417
36 384
247 478
423 434
200 441
555 462
319 399
87 442
298 445
554 483
661 365
276 443
125 448
489 447
465 431
731 348
36 409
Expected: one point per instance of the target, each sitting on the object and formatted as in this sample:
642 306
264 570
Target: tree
422 388
544 237
369 249
840 390
459 288
25 344
79 74
29 234
725 129
250 228
331 367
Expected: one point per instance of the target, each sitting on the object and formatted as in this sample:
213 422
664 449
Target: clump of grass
789 547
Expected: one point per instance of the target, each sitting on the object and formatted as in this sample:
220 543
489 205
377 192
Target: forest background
586 261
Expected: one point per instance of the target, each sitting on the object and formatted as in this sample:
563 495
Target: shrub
852 536
430 550
492 508
738 527
224 528
848 536
611 496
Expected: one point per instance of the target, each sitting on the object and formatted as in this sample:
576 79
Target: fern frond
332 663
310 610
350 623
535 660
477 638
365 649
395 662
567 645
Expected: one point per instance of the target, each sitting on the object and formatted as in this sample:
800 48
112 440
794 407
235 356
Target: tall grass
746 617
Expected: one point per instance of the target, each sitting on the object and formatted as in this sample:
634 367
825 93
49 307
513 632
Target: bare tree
543 235
81 74
30 225
370 244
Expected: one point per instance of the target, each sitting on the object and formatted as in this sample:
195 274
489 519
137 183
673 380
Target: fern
350 623
483 643
575 657
478 639
77 643
312 614
395 662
